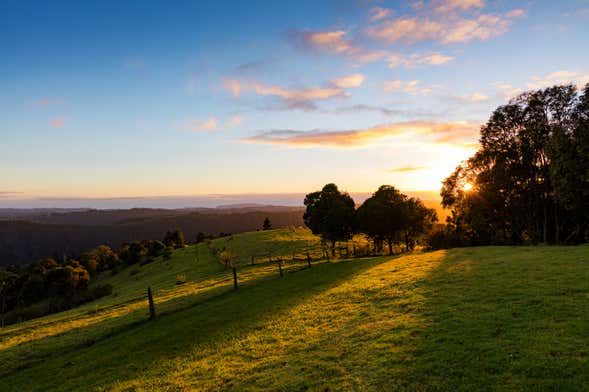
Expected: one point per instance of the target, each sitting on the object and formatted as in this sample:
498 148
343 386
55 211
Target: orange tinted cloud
354 80
420 132
405 169
291 98
378 13
56 122
447 31
408 61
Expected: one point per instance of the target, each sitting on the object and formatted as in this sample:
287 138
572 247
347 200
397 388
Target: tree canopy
330 214
530 177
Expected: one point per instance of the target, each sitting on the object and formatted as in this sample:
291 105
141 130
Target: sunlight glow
467 187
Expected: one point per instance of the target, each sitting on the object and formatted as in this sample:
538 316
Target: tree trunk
556 225
545 228
333 248
390 243
407 243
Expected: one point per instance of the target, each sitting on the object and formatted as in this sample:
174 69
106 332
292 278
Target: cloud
56 122
558 78
408 87
476 97
233 86
335 43
405 169
252 66
385 111
409 61
378 13
290 98
447 30
517 13
461 5
196 125
419 132
507 91
234 121
349 81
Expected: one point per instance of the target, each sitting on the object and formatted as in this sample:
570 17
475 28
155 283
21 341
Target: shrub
181 279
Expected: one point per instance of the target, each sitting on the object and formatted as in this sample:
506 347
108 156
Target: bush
181 279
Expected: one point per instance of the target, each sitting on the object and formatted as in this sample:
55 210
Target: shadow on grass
503 318
134 348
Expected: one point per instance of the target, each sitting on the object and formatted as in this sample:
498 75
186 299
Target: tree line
529 181
387 217
49 285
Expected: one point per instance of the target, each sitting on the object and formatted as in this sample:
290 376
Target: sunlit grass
513 317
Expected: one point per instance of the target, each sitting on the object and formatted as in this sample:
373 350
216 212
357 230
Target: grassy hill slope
461 319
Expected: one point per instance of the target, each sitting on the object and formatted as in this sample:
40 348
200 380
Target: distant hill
56 234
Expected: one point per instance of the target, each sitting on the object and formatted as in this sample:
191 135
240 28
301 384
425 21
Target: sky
140 100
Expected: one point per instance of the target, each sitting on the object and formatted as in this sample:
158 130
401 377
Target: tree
380 217
417 219
330 214
267 224
174 239
389 215
531 173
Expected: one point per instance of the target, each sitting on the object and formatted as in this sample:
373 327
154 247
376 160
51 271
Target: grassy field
475 318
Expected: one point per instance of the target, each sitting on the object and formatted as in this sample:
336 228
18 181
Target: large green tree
530 175
330 214
381 216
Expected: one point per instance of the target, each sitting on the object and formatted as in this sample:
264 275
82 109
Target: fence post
151 304
234 278
309 259
280 267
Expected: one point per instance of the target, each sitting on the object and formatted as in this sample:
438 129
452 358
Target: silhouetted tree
330 214
267 224
380 217
530 175
174 239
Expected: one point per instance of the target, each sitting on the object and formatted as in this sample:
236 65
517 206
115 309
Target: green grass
477 318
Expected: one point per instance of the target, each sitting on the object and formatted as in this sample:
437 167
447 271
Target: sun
467 187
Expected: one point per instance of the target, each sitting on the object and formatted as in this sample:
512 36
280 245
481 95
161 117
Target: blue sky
142 99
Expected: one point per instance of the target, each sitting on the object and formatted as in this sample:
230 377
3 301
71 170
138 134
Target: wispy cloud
349 81
340 44
419 132
234 121
407 86
378 13
411 30
405 169
507 91
56 122
198 125
409 61
454 5
475 97
333 42
292 98
386 111
558 77
517 13
444 21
